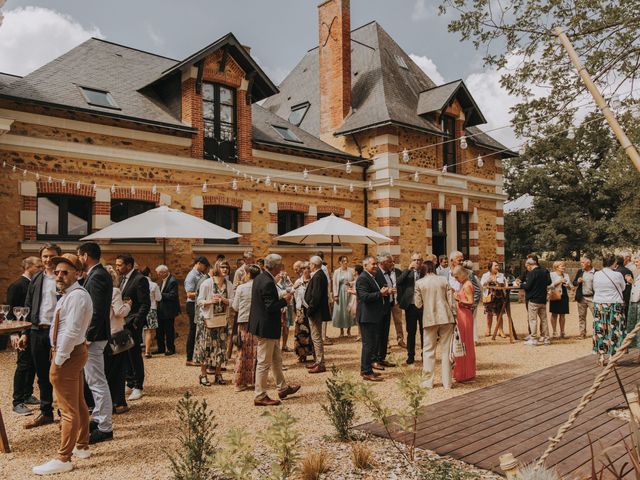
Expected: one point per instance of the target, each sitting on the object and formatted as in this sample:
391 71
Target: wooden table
7 328
506 308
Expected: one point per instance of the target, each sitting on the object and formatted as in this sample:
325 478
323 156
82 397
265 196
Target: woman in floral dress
245 369
609 322
303 345
214 297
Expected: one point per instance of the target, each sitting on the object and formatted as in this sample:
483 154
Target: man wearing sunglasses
71 319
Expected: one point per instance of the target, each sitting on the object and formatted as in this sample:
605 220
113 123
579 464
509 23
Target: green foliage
236 459
284 441
340 409
196 437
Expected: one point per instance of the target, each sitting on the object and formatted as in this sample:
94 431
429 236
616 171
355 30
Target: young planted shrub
196 437
235 458
313 465
340 409
284 441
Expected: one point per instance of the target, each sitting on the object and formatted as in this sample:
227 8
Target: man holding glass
25 370
41 301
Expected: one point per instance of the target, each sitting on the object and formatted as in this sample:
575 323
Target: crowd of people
93 325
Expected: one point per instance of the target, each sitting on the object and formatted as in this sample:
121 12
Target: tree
519 34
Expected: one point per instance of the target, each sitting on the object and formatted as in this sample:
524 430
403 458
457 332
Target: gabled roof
102 65
7 78
437 99
262 85
383 91
264 133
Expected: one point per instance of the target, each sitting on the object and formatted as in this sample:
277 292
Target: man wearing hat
200 267
72 316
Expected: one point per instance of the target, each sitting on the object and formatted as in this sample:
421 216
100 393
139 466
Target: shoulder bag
121 341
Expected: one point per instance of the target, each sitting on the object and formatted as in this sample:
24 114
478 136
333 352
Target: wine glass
17 313
4 311
25 312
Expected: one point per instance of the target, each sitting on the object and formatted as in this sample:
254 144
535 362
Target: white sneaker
53 466
532 342
136 394
545 341
83 454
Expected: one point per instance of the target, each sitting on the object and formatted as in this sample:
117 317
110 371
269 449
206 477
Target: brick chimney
334 25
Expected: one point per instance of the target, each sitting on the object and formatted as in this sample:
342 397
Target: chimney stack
334 24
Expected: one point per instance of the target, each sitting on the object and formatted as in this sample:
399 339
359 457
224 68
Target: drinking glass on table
4 311
25 312
17 313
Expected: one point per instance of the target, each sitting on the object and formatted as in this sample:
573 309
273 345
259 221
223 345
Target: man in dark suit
316 296
25 369
264 323
134 286
413 315
627 274
100 287
41 300
583 282
168 310
384 278
371 311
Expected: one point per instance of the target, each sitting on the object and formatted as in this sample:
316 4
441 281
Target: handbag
121 341
555 295
457 345
216 321
487 298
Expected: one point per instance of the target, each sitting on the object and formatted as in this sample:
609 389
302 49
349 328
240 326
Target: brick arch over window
124 193
294 207
338 211
220 200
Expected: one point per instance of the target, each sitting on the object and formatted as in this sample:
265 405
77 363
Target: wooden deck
519 416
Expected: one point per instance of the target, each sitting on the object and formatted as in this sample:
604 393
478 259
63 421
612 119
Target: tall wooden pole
593 90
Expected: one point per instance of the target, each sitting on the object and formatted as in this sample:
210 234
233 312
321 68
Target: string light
305 174
113 189
335 190
405 155
178 188
306 189
416 177
14 169
95 187
391 181
348 167
154 189
204 187
351 187
63 182
444 169
50 179
267 181
480 161
295 188
234 184
370 185
133 190
463 142
24 173
4 163
78 185
37 176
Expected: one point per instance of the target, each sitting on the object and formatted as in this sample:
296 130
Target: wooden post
510 466
593 90
634 419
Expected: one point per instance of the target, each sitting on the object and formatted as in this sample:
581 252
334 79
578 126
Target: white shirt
48 300
75 310
123 283
119 310
607 286
155 294
587 284
485 279
635 290
242 301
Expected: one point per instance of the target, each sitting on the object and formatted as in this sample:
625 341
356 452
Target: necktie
123 280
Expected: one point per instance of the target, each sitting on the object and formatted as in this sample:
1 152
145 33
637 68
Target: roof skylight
286 134
98 98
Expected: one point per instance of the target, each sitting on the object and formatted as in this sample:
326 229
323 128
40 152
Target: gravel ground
145 434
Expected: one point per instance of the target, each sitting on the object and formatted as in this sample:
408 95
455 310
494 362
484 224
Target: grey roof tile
7 78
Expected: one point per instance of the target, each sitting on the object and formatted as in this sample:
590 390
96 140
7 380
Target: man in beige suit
437 321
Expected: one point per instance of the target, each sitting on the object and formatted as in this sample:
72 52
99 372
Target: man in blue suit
372 309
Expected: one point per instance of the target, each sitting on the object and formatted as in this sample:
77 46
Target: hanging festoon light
444 169
178 188
306 189
348 167
4 163
24 173
305 174
95 187
267 181
571 133
405 155
13 169
391 181
154 189
370 185
113 189
351 187
204 187
480 161
63 182
78 185
50 179
37 177
133 190
295 189
234 184
416 177
463 142
335 189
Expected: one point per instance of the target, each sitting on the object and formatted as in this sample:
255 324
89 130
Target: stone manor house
106 131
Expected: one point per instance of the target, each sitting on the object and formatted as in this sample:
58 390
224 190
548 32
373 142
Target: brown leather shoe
119 409
377 366
384 363
320 368
39 421
265 402
191 363
290 390
372 378
311 365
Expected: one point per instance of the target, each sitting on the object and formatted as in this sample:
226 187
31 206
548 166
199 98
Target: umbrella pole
164 251
331 273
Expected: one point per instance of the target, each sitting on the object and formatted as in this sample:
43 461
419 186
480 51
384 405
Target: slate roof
383 90
437 99
7 78
263 132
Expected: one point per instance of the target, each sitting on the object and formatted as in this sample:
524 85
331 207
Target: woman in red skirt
465 367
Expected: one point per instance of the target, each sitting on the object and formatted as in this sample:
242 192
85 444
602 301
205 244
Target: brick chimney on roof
334 24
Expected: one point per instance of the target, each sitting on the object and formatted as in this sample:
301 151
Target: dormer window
297 113
449 157
98 98
219 121
286 134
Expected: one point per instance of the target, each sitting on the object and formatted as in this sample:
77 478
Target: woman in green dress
342 317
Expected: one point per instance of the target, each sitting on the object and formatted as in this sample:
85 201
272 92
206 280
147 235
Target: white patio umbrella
333 229
163 222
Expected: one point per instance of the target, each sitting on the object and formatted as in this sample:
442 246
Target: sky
279 33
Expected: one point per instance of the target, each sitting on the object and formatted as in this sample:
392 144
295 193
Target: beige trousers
584 304
269 358
68 387
535 310
396 313
431 334
315 325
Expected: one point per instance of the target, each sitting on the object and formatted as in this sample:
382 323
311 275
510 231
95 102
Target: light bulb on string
391 181
348 167
335 189
133 190
444 169
305 174
320 189
267 181
95 187
37 176
4 163
463 142
351 187
178 188
50 179
13 169
295 189
480 161
204 187
63 182
154 189
234 184
416 177
571 133
405 155
24 173
283 187
78 185
370 185
113 189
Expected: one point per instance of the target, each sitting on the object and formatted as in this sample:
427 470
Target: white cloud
420 11
33 36
430 68
153 35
